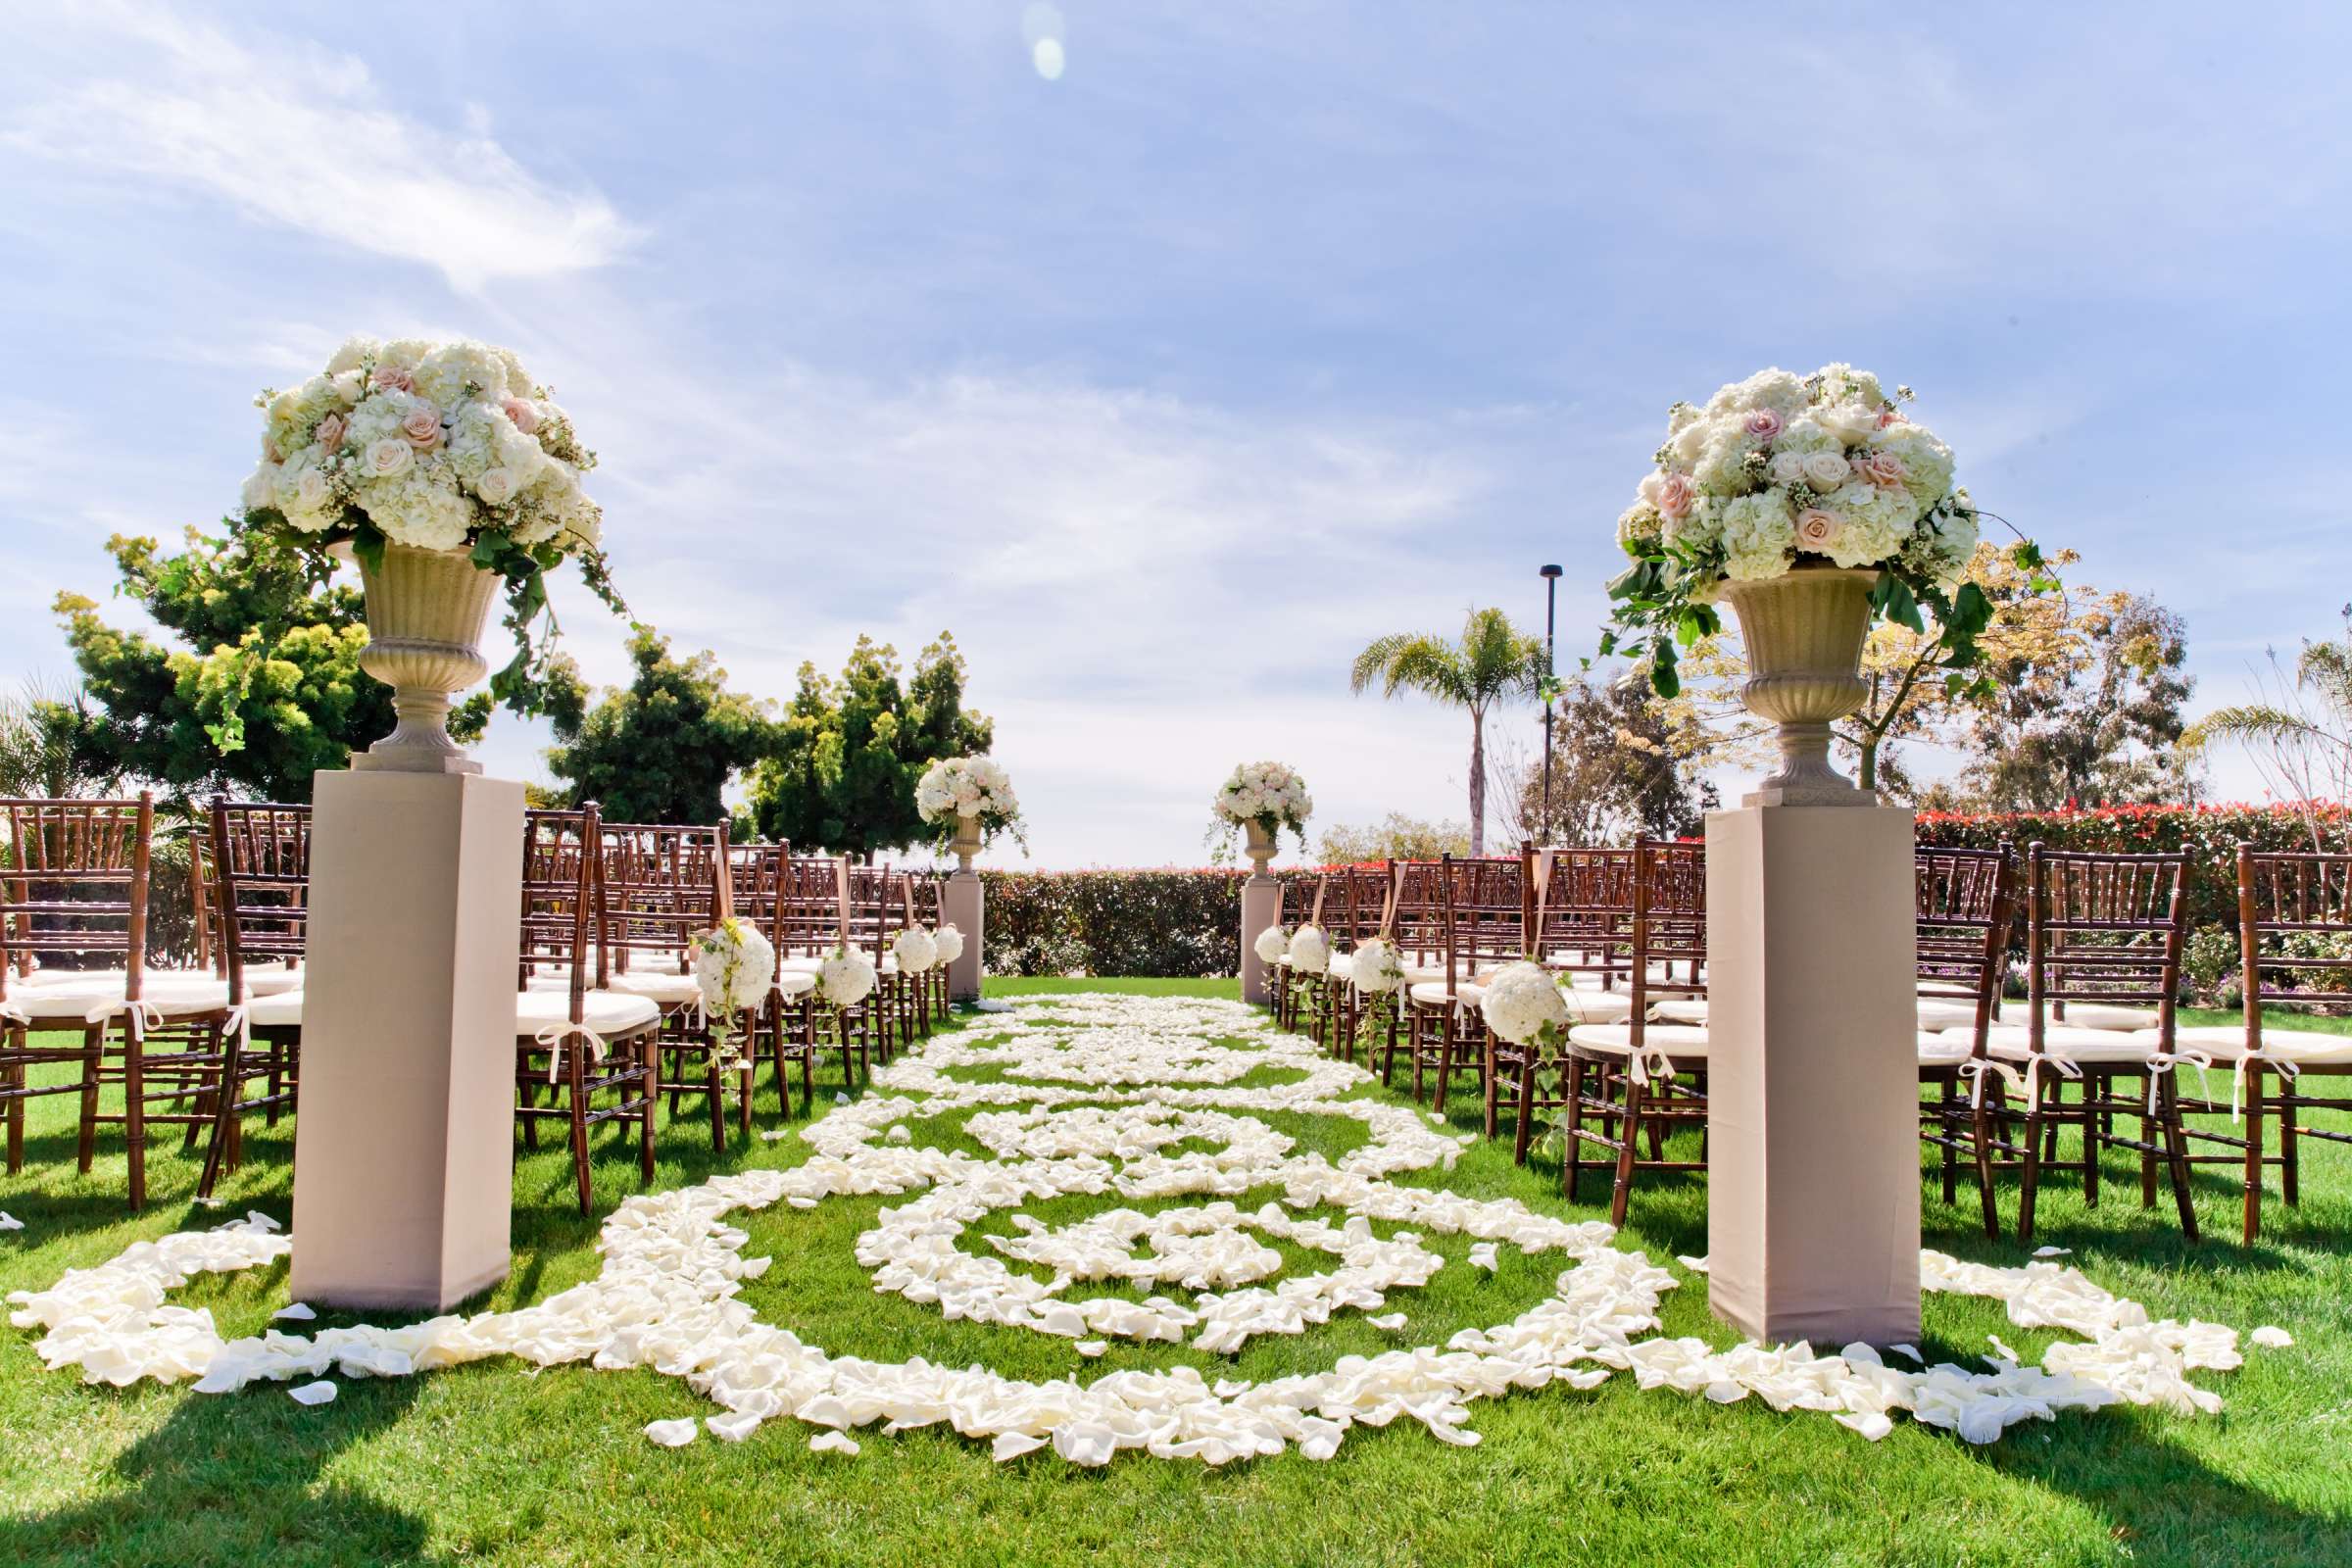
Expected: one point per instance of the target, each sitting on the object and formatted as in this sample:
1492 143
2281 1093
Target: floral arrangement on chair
948 942
1272 946
969 786
845 979
1524 1004
446 447
1377 970
1309 950
1270 796
734 965
1781 471
916 950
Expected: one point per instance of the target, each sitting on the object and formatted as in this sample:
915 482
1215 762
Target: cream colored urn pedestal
963 906
1812 1077
1261 906
404 1144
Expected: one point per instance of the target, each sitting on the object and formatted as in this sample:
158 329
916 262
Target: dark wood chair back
2103 928
260 854
73 885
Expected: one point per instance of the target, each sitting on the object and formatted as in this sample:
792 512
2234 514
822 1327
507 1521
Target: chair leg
135 1110
1522 1113
2290 1154
14 1080
224 1115
1621 1197
1980 1130
715 1082
2176 1148
2030 1177
577 1097
93 1052
650 1063
1951 1155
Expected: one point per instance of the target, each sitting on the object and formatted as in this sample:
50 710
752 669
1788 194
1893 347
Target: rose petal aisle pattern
1131 1098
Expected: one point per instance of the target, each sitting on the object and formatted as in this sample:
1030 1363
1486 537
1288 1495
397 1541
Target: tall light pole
1551 584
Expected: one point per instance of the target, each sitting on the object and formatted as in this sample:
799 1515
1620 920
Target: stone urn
1804 632
425 614
1261 847
965 843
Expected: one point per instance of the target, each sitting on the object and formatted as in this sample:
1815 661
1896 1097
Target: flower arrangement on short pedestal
974 787
1780 472
845 979
1268 797
915 951
1524 1004
735 965
444 447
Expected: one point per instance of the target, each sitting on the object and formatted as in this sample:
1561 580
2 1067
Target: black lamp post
1551 584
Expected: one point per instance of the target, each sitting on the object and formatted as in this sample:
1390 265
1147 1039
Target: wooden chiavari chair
660 888
930 896
74 886
2294 931
1643 1077
1303 896
1483 915
785 1026
2103 931
1967 911
1369 895
260 859
1583 908
591 1042
814 922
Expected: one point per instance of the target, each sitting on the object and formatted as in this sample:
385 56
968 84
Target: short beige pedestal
1812 1077
1261 906
404 1141
961 907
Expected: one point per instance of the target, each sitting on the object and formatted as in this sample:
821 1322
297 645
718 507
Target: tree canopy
264 689
661 749
842 761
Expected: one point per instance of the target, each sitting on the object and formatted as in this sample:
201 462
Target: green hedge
1170 924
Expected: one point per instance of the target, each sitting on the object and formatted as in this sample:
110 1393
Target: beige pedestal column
1261 906
404 1141
961 907
1812 1080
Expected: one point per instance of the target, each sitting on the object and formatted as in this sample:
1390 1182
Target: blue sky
1168 381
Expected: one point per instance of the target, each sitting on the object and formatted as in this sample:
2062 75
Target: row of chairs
609 1019
2092 1058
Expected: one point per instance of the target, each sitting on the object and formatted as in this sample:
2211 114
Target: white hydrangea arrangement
914 950
734 965
1310 951
1523 1005
845 979
1272 945
1781 471
439 446
1376 967
948 940
1270 794
969 786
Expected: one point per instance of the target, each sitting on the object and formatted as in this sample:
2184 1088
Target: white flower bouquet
969 786
1270 794
1310 951
845 978
948 943
1272 945
735 965
1781 471
448 446
1523 1005
1376 967
914 950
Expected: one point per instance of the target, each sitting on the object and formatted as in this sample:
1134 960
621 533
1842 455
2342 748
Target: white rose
309 490
1788 467
388 459
1825 472
1852 424
349 355
261 488
496 486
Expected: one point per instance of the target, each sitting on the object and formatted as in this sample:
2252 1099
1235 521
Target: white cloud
299 135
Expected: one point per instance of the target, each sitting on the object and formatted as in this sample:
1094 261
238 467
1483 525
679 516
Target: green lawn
494 1463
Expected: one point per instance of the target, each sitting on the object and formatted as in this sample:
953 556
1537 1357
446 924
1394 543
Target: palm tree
2298 730
1493 663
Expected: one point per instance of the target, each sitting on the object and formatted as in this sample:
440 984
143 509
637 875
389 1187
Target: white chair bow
2237 1077
1975 1069
1652 1062
553 1036
2162 1062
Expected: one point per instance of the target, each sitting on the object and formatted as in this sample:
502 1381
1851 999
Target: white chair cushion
1944 1014
1674 1009
1677 1040
102 979
281 1010
1431 993
2104 1015
1944 1049
2011 1042
1599 1006
608 1012
169 996
668 989
799 963
796 981
271 980
1421 974
1343 966
2226 1042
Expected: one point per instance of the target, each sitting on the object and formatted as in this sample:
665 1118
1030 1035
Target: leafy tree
46 739
1396 837
843 761
1625 765
266 689
2299 731
1493 663
663 748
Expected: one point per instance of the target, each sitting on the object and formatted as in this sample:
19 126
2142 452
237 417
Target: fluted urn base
425 614
1804 632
